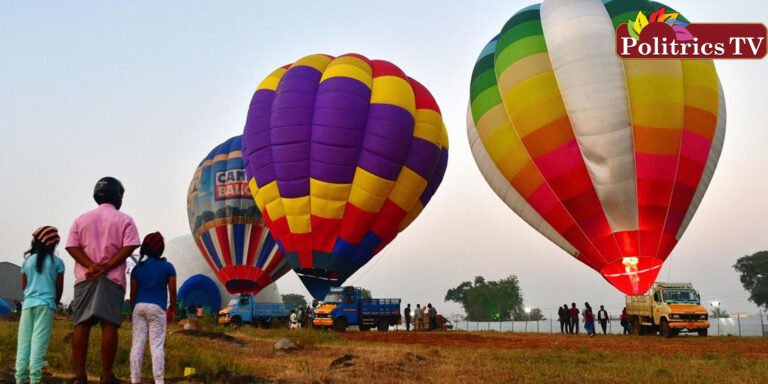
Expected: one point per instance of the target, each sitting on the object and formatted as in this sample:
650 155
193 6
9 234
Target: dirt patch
220 378
655 344
220 336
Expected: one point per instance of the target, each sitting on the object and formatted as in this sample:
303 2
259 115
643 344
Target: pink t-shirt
101 233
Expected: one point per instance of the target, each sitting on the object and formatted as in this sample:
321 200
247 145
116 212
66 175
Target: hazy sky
143 90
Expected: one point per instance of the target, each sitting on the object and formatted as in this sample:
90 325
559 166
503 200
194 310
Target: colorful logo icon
641 21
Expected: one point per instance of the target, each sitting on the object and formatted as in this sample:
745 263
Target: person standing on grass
589 320
153 281
42 279
562 317
625 325
602 317
419 318
100 241
407 316
574 312
432 317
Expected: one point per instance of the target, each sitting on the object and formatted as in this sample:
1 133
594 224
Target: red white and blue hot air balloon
226 225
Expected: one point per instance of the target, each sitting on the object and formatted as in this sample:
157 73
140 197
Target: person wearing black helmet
100 241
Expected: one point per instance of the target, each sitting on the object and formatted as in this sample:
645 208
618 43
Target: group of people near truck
422 318
569 319
100 241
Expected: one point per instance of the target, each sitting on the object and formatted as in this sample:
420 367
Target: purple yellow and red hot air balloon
342 153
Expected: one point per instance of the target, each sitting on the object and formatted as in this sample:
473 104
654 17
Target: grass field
397 357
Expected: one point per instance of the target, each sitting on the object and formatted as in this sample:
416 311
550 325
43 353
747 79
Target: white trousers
149 322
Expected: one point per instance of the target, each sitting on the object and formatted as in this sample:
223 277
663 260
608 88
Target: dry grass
435 358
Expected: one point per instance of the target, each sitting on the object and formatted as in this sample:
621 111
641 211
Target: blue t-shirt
41 286
152 277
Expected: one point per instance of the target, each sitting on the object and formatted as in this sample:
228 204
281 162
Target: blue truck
346 306
244 309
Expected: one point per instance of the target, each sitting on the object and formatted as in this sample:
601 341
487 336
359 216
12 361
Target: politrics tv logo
656 34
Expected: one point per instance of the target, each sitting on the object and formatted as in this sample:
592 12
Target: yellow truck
669 308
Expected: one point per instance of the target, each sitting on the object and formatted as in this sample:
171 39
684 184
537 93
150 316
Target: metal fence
751 325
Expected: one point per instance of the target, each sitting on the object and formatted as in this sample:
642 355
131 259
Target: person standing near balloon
42 279
602 317
562 316
589 320
100 241
574 312
407 316
153 281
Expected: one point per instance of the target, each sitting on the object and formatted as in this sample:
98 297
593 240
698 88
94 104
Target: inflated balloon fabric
226 225
608 158
342 154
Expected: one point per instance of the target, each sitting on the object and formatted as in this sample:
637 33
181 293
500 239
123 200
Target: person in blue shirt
153 282
42 278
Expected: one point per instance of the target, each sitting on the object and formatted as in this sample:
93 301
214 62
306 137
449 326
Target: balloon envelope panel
342 154
227 226
608 158
200 290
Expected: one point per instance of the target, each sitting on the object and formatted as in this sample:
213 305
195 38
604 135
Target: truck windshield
333 298
685 296
233 301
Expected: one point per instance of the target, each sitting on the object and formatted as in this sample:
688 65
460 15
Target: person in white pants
152 281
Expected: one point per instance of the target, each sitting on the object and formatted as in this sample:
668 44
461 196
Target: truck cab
346 306
669 308
243 309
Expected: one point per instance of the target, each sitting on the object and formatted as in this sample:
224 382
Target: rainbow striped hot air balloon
607 158
342 154
227 226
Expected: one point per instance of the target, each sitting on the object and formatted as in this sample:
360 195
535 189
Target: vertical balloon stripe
220 237
656 101
535 109
254 235
504 148
206 255
508 193
213 253
580 37
256 138
238 234
700 122
712 160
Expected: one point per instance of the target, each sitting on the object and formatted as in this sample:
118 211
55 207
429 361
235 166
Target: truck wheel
236 321
664 330
340 325
703 332
364 328
383 325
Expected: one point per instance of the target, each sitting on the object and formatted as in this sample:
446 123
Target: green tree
753 271
487 300
535 315
719 313
365 293
295 300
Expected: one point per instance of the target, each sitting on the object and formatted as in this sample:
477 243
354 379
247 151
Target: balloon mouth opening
632 275
330 277
319 282
239 286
